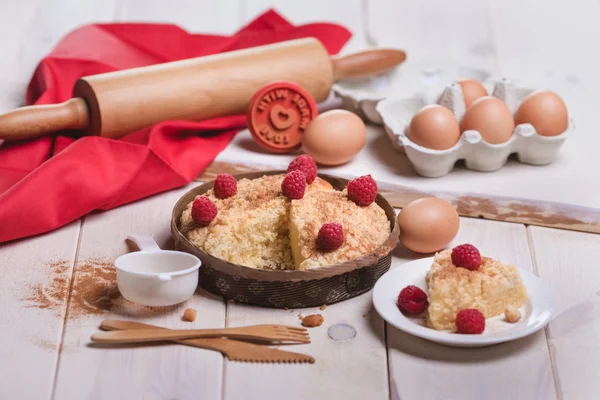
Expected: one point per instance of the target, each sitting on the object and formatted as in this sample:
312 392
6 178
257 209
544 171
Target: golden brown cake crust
365 228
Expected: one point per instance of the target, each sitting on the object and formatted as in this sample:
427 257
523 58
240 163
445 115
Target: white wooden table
44 342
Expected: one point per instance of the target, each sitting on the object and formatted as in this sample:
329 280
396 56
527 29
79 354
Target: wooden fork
266 333
234 350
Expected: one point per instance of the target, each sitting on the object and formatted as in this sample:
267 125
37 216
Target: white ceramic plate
536 312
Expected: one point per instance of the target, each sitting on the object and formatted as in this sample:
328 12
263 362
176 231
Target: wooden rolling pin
117 103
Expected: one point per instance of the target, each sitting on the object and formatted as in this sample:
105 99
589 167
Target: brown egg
472 90
546 111
491 118
434 127
334 137
428 225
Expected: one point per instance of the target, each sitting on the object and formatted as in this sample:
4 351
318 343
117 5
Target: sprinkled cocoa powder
94 291
52 294
95 288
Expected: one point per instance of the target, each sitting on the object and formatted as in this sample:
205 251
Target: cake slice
490 289
365 228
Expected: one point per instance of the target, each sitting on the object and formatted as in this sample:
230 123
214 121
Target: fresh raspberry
307 165
362 190
294 185
466 256
225 186
203 210
412 300
470 320
330 237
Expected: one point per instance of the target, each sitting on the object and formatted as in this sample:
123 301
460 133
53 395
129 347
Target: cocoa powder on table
52 294
94 290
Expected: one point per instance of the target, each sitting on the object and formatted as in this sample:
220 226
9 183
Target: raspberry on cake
307 165
203 210
225 186
362 190
365 228
490 289
466 256
330 237
294 185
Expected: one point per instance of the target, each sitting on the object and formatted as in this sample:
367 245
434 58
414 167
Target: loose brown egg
472 90
434 127
428 225
546 111
334 137
491 117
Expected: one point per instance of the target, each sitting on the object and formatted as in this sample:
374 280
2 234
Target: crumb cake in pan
491 288
258 227
261 247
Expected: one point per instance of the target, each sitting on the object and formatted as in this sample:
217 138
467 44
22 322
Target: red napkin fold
49 182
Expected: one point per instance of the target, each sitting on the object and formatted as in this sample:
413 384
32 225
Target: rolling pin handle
366 63
34 121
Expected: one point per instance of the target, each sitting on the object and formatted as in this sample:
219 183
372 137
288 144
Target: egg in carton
526 142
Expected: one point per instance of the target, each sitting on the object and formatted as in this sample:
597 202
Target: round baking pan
287 288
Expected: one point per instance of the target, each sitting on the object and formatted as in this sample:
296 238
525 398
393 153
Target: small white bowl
537 311
155 277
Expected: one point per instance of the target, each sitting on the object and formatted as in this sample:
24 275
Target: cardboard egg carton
361 95
530 147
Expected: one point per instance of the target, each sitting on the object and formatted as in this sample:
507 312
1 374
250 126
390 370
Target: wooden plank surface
568 263
144 372
54 19
196 16
36 275
519 370
348 13
350 369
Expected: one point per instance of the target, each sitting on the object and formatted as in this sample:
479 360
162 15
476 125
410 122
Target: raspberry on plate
307 165
466 256
330 237
294 185
362 190
412 300
470 321
225 186
203 210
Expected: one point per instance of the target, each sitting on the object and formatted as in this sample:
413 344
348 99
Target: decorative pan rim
283 275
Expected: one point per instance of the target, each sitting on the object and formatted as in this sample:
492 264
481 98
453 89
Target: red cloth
49 182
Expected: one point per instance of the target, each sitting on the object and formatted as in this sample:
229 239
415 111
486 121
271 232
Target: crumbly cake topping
490 289
443 268
252 227
365 228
